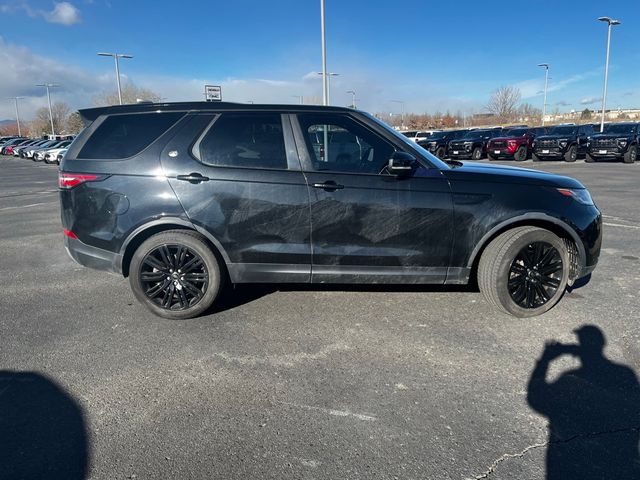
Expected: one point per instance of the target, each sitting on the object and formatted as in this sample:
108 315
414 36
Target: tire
572 154
535 157
160 288
490 157
440 152
631 155
521 154
499 276
477 154
589 159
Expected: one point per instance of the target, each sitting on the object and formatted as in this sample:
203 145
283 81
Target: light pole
611 22
17 113
546 82
326 99
401 102
117 57
353 98
49 86
325 79
299 97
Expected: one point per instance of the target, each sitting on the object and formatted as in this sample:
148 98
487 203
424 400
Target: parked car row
618 141
39 150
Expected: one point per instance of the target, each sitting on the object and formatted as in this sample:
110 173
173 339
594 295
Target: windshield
516 132
435 161
477 133
438 135
566 130
620 129
409 134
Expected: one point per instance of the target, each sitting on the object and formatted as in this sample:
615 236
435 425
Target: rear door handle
193 177
329 185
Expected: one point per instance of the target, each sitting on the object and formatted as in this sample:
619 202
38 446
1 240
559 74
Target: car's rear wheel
631 155
521 154
524 271
175 274
477 153
572 154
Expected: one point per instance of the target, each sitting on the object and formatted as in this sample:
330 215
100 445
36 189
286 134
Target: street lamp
546 82
401 102
353 98
325 79
117 57
326 76
49 86
17 113
611 22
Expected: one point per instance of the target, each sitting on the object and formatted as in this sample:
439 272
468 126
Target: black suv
183 197
618 141
438 142
563 141
473 144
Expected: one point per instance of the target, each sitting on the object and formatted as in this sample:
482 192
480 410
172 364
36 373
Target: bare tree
130 94
42 123
74 124
503 102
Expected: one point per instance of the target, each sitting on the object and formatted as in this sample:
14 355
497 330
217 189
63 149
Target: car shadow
42 430
233 296
593 411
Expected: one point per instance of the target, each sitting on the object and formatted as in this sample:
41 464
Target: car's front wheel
477 153
521 154
572 154
632 154
175 274
440 153
524 271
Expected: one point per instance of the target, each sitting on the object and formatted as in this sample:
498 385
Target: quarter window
338 143
245 140
123 136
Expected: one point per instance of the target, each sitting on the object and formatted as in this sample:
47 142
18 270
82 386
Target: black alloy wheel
535 275
174 277
175 274
521 154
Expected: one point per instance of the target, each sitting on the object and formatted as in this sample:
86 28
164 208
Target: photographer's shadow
42 430
593 412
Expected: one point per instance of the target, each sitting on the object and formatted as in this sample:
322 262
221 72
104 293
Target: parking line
623 226
25 206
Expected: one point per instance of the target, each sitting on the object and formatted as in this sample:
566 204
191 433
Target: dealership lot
357 382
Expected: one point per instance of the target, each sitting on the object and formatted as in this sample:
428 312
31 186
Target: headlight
563 142
467 145
580 195
622 142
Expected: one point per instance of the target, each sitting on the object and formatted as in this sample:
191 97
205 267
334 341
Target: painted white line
335 413
25 206
622 226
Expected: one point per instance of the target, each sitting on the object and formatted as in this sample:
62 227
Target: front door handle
193 177
329 185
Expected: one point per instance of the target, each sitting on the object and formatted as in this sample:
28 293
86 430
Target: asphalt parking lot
310 383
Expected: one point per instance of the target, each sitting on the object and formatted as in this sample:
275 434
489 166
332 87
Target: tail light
69 180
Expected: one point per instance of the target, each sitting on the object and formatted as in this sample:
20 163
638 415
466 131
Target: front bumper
459 153
551 152
606 152
93 257
500 153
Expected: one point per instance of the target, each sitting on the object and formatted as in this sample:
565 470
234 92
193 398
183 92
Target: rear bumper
93 257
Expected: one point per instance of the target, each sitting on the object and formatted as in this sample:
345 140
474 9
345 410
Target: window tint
245 140
349 146
122 136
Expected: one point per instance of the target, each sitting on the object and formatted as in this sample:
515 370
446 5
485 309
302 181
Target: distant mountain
6 122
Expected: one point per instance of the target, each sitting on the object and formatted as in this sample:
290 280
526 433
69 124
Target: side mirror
401 163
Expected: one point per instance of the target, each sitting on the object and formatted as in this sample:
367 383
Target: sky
431 55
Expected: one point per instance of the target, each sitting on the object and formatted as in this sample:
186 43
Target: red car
516 144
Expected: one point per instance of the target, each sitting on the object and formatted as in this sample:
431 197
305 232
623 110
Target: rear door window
246 140
123 136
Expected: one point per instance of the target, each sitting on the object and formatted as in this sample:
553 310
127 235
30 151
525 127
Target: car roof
90 114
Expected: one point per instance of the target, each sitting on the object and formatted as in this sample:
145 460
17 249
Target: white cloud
590 100
63 13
